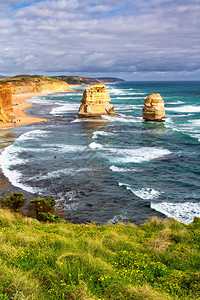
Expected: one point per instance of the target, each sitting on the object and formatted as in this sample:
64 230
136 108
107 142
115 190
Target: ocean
118 168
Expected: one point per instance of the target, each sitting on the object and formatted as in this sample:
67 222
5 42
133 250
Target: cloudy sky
131 39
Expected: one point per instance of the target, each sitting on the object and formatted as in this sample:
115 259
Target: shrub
14 202
43 208
47 217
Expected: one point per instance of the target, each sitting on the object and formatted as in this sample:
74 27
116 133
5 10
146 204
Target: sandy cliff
5 103
37 85
18 89
95 102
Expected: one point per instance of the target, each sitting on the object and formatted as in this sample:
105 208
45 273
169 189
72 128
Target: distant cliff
77 80
5 102
110 79
23 84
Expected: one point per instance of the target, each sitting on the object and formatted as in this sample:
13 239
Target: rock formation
154 109
5 103
38 87
95 102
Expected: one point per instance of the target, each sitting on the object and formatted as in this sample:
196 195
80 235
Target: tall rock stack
154 109
95 102
5 102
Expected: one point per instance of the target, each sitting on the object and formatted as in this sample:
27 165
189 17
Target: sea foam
60 173
184 108
143 193
8 159
32 135
183 212
100 133
95 146
124 119
69 107
118 218
119 169
137 155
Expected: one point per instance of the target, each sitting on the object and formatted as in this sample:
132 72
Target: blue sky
132 39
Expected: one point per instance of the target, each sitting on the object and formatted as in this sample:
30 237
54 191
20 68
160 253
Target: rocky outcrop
154 109
95 102
5 103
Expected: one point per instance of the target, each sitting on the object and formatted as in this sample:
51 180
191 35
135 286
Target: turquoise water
119 168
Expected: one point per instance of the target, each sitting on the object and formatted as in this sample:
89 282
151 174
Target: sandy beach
19 105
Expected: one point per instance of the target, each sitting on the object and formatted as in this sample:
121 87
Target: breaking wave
182 212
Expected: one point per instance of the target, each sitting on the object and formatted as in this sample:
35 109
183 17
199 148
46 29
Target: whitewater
118 168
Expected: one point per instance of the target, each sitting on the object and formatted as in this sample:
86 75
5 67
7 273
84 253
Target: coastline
19 105
21 118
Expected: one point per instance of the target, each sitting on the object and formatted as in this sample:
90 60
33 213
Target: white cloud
74 36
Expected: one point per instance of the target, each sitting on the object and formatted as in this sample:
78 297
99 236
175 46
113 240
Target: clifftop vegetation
77 80
27 79
158 260
86 80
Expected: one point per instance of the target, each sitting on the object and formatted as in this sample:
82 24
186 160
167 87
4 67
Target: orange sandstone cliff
25 84
95 102
37 84
5 103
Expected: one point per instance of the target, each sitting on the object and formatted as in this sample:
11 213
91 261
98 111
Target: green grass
27 79
158 260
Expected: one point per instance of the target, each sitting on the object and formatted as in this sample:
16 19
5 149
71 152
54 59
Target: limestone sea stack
95 102
154 109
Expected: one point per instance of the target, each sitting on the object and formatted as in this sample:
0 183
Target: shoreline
19 105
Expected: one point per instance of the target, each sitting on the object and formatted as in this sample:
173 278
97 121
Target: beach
19 106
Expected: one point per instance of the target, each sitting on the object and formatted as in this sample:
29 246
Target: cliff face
154 109
23 84
37 87
95 102
5 103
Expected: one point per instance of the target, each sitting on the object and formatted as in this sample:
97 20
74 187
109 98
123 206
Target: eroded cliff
34 84
95 102
5 103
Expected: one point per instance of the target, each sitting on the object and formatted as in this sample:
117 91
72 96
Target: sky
130 39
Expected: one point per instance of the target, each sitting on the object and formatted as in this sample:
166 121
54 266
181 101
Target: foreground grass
159 260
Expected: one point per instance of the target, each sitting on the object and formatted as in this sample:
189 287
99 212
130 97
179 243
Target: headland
24 87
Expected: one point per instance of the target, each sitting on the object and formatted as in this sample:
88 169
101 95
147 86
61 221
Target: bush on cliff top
158 260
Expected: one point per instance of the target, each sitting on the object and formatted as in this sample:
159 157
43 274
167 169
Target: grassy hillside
86 80
26 79
77 80
159 260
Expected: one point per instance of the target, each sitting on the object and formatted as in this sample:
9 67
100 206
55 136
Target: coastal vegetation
26 79
77 80
43 260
